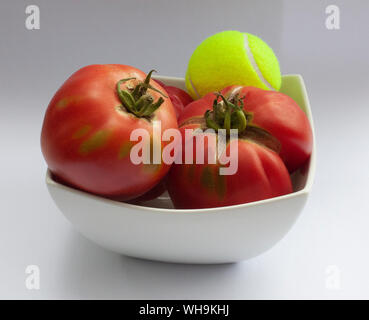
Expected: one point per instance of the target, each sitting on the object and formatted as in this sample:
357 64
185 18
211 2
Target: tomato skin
177 104
161 83
261 174
152 194
281 116
85 138
197 108
181 94
180 98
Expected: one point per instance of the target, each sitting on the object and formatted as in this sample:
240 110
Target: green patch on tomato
97 141
66 101
125 149
220 185
207 178
81 132
151 168
213 181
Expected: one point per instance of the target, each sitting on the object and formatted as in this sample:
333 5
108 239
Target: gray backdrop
333 229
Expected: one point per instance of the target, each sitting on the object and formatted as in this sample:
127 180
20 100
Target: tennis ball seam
254 65
193 87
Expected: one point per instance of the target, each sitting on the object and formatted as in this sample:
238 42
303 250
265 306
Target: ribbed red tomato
276 113
86 131
260 172
281 116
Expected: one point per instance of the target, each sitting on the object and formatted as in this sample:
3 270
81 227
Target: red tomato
281 116
177 104
260 172
181 94
179 97
152 194
85 137
274 112
160 82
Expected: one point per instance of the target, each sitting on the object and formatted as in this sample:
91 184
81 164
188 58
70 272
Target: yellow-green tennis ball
232 58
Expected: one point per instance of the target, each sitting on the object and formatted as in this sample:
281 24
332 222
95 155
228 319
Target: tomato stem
228 114
136 100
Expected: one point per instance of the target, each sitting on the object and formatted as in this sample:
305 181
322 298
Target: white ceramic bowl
156 231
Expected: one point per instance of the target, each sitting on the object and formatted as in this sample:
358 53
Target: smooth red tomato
160 82
152 194
179 97
181 94
177 104
86 132
260 172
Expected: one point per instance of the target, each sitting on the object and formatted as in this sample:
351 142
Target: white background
333 229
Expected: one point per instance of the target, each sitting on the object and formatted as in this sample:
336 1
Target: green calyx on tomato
228 114
137 100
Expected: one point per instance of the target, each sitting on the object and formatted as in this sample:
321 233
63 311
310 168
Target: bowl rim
307 188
